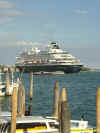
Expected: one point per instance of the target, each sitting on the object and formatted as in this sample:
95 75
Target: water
81 94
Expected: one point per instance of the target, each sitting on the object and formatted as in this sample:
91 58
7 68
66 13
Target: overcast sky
73 23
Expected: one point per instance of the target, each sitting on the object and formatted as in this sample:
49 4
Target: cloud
5 5
8 12
23 43
11 13
80 11
4 20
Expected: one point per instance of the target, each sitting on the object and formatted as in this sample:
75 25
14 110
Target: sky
75 24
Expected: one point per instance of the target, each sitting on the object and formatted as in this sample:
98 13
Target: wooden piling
98 110
65 117
7 82
59 110
56 99
12 77
0 77
63 96
28 110
0 84
14 111
31 85
12 70
21 100
64 114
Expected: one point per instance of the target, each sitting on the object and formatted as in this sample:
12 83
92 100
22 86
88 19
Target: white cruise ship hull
50 68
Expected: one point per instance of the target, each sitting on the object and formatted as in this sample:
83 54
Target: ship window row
45 57
31 125
36 55
48 58
64 59
25 126
43 54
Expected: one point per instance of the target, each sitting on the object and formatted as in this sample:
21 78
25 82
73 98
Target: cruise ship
51 60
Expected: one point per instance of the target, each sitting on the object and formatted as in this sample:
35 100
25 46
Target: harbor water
81 94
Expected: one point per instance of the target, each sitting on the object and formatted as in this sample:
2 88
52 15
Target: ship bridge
54 48
54 45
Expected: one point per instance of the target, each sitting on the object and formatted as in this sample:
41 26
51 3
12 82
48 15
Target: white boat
10 89
29 124
48 73
2 90
3 87
39 124
81 126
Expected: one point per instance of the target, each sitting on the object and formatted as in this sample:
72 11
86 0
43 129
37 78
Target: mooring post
31 85
12 70
14 111
56 99
65 114
28 110
63 98
65 117
0 84
21 100
0 77
98 110
63 95
7 82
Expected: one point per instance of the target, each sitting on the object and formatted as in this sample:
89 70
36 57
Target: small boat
29 124
3 87
81 126
2 90
38 124
10 89
48 73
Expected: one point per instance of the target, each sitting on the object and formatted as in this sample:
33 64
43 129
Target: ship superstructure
52 59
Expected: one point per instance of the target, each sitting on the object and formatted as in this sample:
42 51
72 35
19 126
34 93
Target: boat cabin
29 124
38 124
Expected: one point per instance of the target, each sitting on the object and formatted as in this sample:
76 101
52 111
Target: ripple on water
81 93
